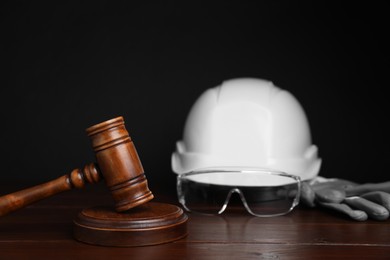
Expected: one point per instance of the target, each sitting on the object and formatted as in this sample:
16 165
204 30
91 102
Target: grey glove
358 201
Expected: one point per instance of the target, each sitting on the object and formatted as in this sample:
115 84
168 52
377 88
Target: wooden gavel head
119 164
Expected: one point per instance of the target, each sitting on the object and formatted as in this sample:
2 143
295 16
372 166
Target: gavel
117 162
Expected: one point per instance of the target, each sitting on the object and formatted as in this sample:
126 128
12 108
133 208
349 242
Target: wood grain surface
44 231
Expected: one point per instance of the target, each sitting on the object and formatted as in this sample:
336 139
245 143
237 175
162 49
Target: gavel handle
76 179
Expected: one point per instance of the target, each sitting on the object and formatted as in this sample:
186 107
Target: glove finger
368 187
373 210
337 184
358 215
330 196
307 195
379 197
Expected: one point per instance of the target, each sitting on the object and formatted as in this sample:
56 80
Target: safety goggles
263 193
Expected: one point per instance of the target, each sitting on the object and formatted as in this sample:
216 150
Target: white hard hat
247 123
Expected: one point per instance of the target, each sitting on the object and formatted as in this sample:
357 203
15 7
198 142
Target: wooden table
44 231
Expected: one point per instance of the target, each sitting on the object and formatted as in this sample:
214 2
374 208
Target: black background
69 65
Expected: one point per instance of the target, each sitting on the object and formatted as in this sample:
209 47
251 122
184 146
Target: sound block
149 224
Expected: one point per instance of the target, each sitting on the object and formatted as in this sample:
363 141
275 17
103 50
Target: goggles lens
263 193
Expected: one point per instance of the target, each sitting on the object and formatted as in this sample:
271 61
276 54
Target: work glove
358 201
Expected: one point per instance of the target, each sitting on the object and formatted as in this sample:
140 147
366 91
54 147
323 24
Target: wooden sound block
148 224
